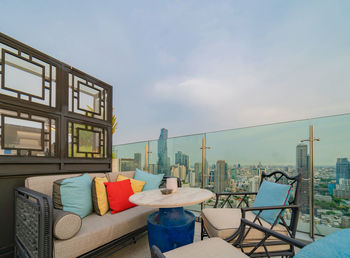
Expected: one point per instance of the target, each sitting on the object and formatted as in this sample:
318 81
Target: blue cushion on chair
271 194
335 245
152 181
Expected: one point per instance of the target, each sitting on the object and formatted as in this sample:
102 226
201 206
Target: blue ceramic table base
170 228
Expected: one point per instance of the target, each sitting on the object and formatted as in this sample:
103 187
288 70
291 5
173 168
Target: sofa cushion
112 176
152 181
73 194
212 248
99 195
136 185
65 224
96 231
43 184
118 195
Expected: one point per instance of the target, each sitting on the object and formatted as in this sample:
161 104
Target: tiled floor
141 248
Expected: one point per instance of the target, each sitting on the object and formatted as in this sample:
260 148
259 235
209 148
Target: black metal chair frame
238 237
34 222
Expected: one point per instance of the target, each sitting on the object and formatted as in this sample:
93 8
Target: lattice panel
87 98
26 134
86 141
26 77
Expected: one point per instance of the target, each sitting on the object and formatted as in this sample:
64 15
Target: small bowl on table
166 191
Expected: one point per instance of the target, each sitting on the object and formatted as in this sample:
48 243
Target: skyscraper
163 159
303 167
342 169
137 158
198 172
182 159
219 176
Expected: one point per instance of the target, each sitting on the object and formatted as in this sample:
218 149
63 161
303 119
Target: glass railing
235 159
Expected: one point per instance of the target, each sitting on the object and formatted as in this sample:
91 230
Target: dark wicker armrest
229 194
33 223
269 232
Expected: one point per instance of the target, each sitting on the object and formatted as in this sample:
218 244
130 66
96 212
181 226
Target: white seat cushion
224 222
209 248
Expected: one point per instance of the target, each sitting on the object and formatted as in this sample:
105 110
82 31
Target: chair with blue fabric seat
278 193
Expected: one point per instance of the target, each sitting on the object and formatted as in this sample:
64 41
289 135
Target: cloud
234 88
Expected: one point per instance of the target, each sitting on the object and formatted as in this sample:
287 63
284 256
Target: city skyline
270 144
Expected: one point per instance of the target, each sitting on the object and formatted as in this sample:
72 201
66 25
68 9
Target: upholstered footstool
209 248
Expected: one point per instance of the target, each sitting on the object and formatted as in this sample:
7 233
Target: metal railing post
311 185
203 148
146 157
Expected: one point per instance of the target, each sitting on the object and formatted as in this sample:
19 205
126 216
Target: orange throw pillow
118 195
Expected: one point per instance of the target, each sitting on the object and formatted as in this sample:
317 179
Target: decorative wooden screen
51 115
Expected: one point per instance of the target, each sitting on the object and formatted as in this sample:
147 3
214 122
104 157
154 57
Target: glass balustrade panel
130 156
237 158
331 174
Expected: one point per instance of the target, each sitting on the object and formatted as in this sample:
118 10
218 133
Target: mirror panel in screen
26 77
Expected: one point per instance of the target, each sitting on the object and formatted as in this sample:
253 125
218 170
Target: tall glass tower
342 169
163 159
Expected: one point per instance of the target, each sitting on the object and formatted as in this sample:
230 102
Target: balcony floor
141 248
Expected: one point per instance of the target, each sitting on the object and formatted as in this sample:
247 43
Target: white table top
183 197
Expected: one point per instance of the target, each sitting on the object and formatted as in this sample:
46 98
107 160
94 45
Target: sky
198 66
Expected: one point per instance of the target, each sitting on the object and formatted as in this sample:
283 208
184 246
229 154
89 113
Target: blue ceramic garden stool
170 228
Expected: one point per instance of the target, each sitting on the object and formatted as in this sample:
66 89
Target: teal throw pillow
271 194
73 194
152 181
335 245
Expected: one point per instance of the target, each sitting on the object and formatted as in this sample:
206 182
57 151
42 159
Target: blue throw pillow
73 194
271 194
152 181
335 245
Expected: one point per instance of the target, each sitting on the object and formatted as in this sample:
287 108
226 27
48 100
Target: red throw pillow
118 195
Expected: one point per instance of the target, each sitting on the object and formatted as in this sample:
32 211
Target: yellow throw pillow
136 185
99 195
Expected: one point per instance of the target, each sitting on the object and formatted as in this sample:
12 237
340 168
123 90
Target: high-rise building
182 159
163 159
178 171
303 167
342 169
219 176
192 179
198 172
137 158
153 168
253 184
127 165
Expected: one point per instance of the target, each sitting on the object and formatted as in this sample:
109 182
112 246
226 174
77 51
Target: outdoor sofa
35 222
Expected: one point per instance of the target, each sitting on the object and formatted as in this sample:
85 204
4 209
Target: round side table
171 226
